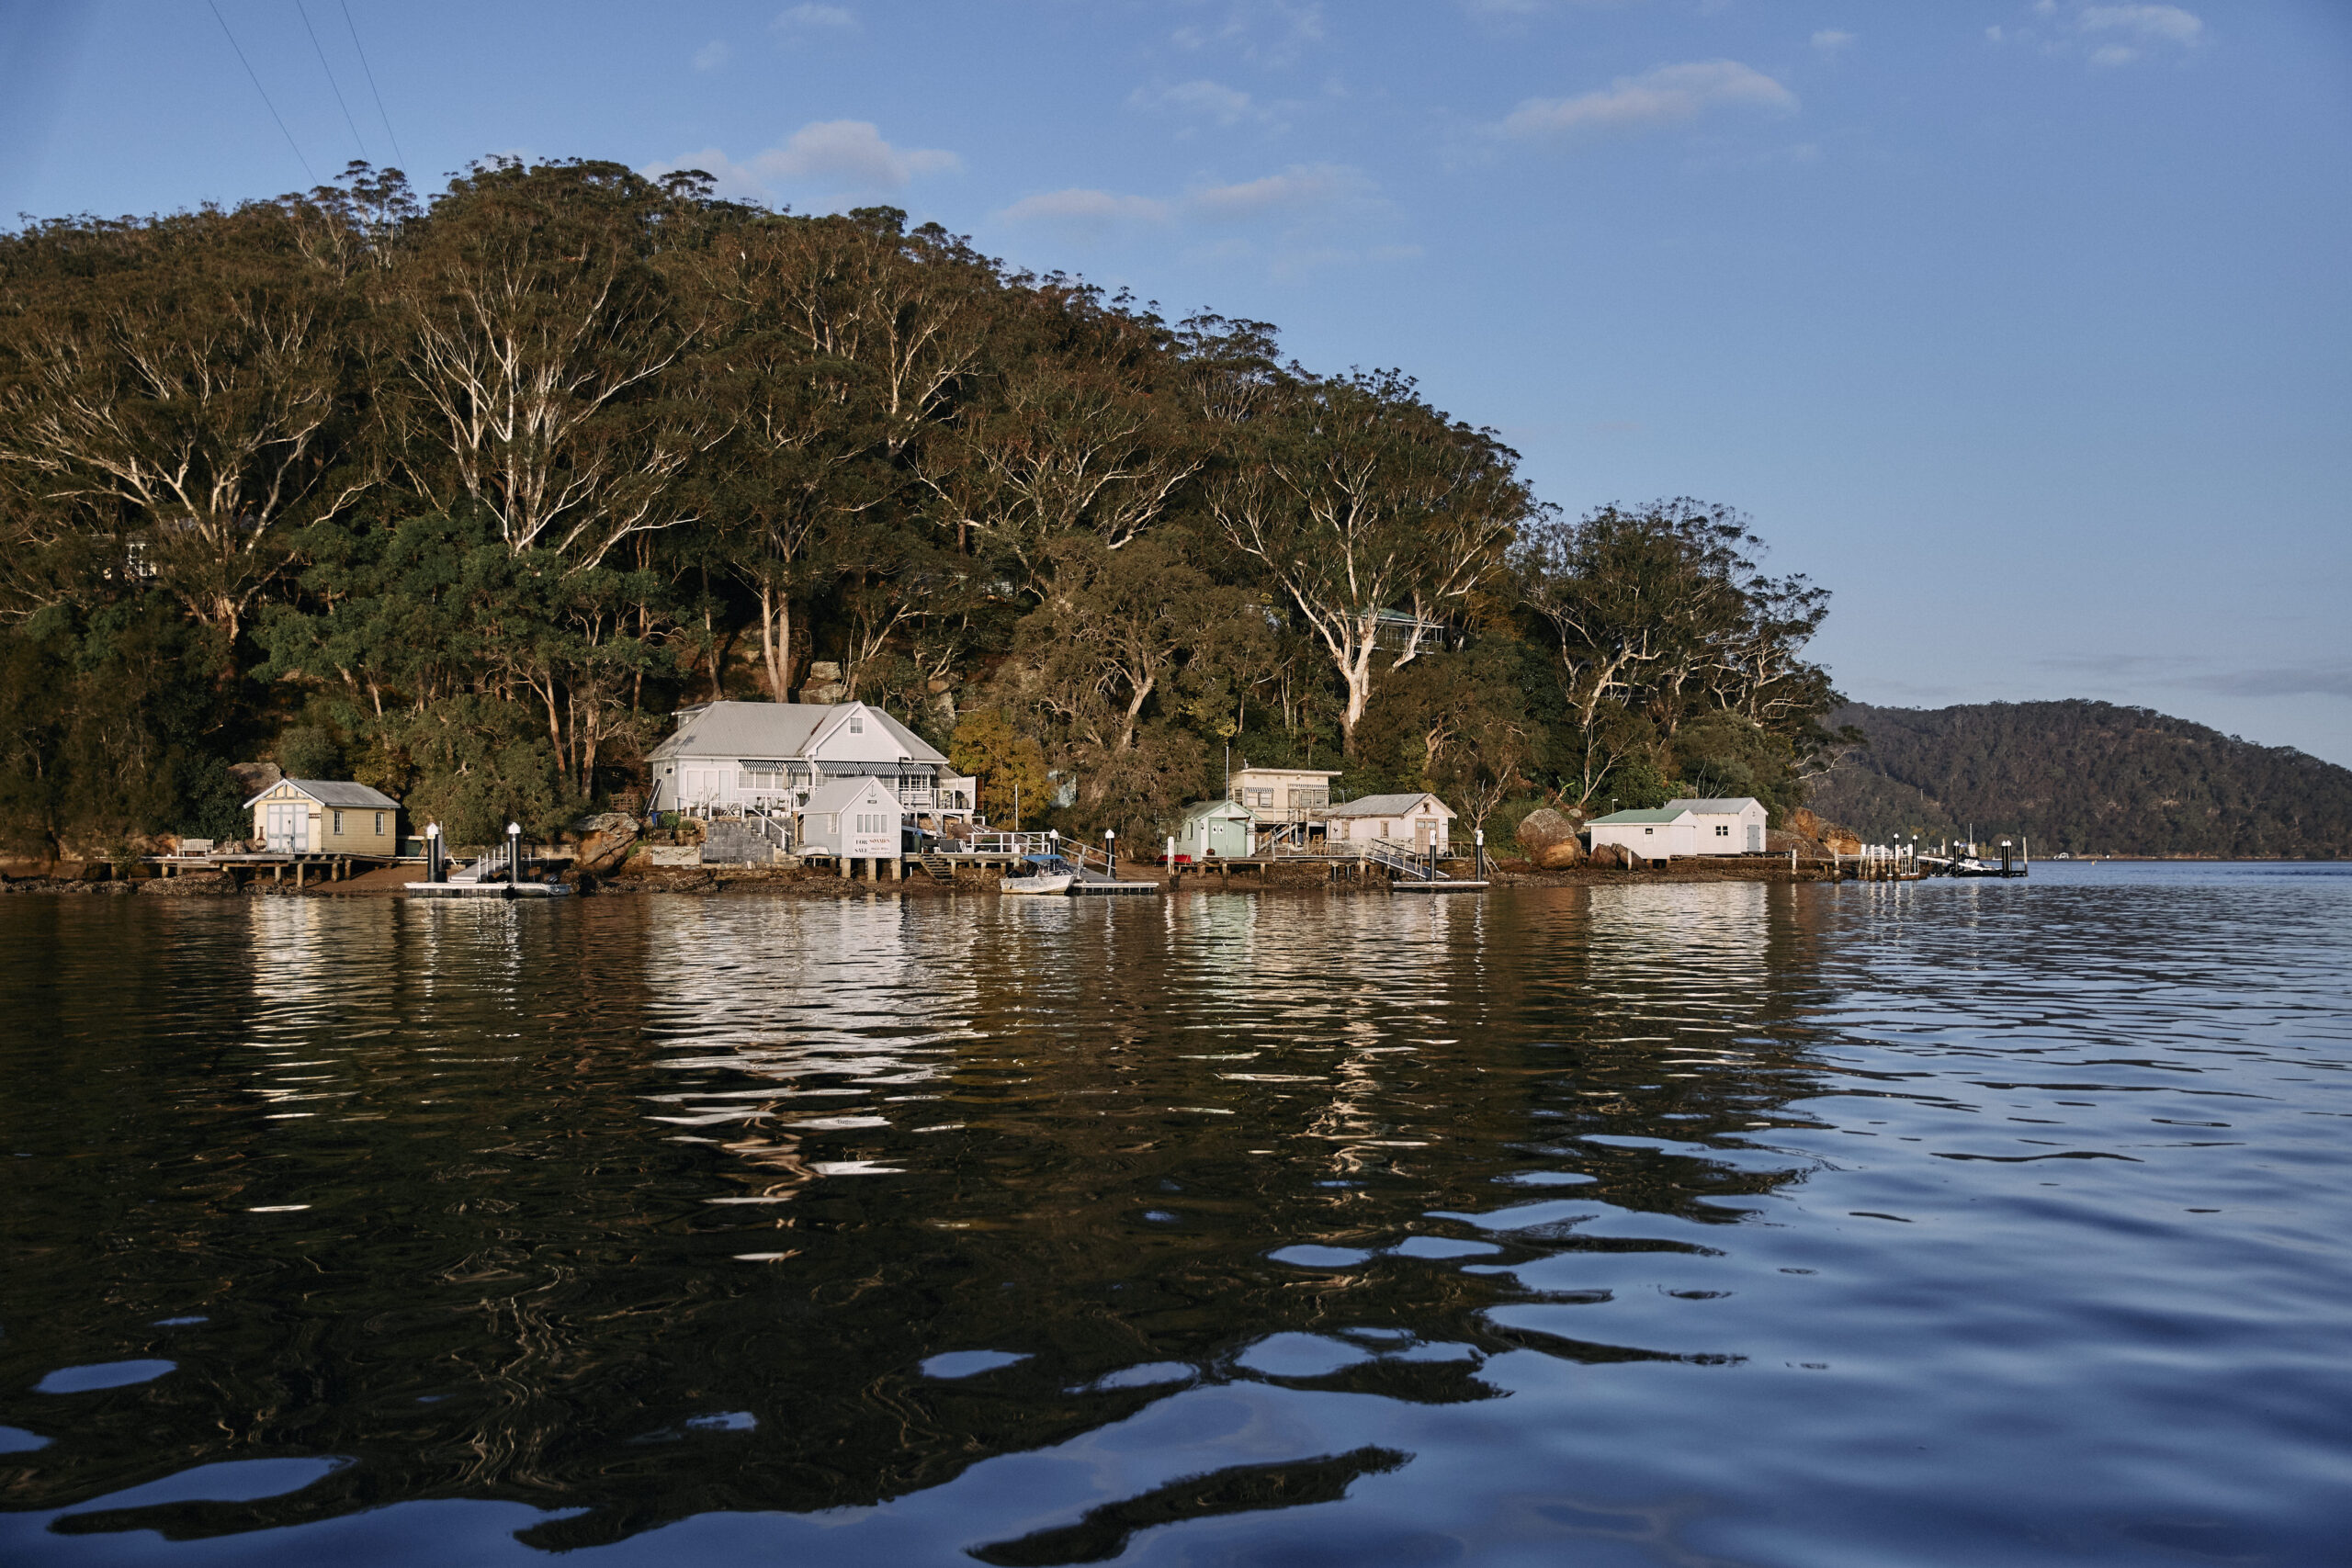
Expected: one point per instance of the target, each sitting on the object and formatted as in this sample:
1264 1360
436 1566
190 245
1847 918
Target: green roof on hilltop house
1663 814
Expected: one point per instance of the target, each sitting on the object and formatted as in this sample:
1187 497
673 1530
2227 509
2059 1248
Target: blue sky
2023 326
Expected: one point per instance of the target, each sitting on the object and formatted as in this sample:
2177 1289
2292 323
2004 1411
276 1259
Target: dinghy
1038 884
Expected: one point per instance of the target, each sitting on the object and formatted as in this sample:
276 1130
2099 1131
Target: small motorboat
1040 882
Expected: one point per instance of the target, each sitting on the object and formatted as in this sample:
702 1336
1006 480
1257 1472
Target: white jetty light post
1479 851
513 854
1111 854
434 868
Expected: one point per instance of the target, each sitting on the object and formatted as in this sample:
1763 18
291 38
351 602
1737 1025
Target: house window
1301 799
379 824
1264 797
1722 831
857 723
338 824
1646 831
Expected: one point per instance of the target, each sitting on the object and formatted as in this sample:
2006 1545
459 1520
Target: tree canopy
463 497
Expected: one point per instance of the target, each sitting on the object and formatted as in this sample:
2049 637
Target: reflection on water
1967 1223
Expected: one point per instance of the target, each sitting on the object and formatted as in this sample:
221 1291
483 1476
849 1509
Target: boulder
1612 857
1550 840
605 841
1828 835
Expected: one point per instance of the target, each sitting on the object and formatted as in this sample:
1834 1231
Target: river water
1951 1222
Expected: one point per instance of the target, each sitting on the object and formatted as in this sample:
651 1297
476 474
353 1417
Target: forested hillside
463 497
2084 777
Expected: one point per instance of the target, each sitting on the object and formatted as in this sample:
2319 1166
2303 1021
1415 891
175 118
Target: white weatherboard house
727 758
1659 834
1417 819
849 819
1726 827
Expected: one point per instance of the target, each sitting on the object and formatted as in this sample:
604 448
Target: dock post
897 868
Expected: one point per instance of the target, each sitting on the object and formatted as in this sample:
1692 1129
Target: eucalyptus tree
176 389
834 342
536 335
1374 514
1074 432
1658 615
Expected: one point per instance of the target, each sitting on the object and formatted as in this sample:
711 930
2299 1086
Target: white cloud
834 154
1085 209
1829 41
1299 191
712 55
1264 32
1304 218
2107 35
1203 100
1671 94
816 20
2151 24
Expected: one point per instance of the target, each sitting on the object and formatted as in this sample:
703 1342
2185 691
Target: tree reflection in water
650 1208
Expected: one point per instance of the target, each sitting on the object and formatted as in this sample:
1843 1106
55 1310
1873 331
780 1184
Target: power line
332 85
262 91
371 84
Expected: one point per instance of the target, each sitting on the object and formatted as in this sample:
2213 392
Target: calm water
1970 1223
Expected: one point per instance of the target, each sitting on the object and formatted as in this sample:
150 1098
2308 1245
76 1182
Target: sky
2024 326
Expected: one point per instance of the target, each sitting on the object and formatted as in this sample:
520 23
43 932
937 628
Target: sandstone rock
1550 840
1828 835
1612 857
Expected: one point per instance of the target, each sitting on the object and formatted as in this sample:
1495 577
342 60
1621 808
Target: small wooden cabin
1728 826
1660 833
849 819
1421 820
1217 829
326 816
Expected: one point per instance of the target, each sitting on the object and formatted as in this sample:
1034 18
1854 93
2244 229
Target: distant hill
2086 778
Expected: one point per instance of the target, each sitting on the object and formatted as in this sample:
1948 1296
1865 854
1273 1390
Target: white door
1424 833
1756 837
287 827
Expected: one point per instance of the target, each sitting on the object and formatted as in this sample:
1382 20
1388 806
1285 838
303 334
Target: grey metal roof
1386 806
1725 805
339 792
1619 818
777 731
839 794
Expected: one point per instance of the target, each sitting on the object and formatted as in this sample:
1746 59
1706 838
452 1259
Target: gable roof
779 731
340 793
1229 809
1721 806
1620 818
839 794
1386 806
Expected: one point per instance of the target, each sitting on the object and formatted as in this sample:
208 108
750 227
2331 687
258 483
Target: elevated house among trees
729 759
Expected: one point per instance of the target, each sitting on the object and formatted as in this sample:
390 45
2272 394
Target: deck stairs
1403 862
1282 839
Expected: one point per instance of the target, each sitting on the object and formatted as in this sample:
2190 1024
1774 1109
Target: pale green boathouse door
288 827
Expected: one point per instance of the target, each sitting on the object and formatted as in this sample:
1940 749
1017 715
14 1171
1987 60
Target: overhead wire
371 83
332 85
255 78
